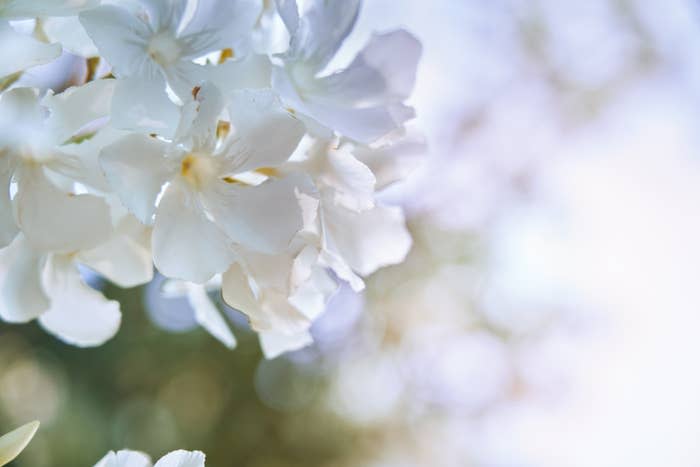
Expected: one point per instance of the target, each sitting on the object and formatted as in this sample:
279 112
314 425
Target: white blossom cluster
214 139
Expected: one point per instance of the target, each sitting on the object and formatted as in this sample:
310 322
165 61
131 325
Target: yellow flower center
164 49
198 170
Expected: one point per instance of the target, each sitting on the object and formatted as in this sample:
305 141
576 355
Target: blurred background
547 315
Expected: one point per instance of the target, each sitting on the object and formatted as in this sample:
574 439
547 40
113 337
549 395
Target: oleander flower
363 102
232 164
154 43
207 205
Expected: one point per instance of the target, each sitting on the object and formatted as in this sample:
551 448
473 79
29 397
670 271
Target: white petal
352 181
187 245
322 30
263 218
57 221
121 39
76 107
182 459
25 51
208 316
23 298
367 240
341 268
218 24
275 344
125 258
8 227
14 442
68 32
86 153
257 116
323 108
364 125
19 110
202 129
267 309
382 73
289 13
34 8
312 285
165 14
143 105
136 169
124 458
79 315
395 162
250 72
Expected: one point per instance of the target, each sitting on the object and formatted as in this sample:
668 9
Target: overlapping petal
186 244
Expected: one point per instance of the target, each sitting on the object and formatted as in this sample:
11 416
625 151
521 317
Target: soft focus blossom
137 459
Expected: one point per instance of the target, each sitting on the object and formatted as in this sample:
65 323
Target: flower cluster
214 139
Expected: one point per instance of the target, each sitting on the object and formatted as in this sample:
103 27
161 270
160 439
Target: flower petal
322 30
275 344
382 73
262 218
367 240
208 316
76 107
136 169
79 315
250 72
218 24
289 13
124 458
121 39
56 221
34 8
267 308
182 459
186 244
125 258
266 133
23 298
351 180
395 162
14 442
8 226
142 105
25 51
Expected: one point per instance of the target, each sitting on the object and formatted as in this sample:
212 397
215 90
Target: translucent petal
186 244
57 221
182 459
14 442
79 315
136 169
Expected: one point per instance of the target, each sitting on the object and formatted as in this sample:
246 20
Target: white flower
354 235
206 207
52 215
14 442
363 102
197 168
137 459
48 286
281 295
156 43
